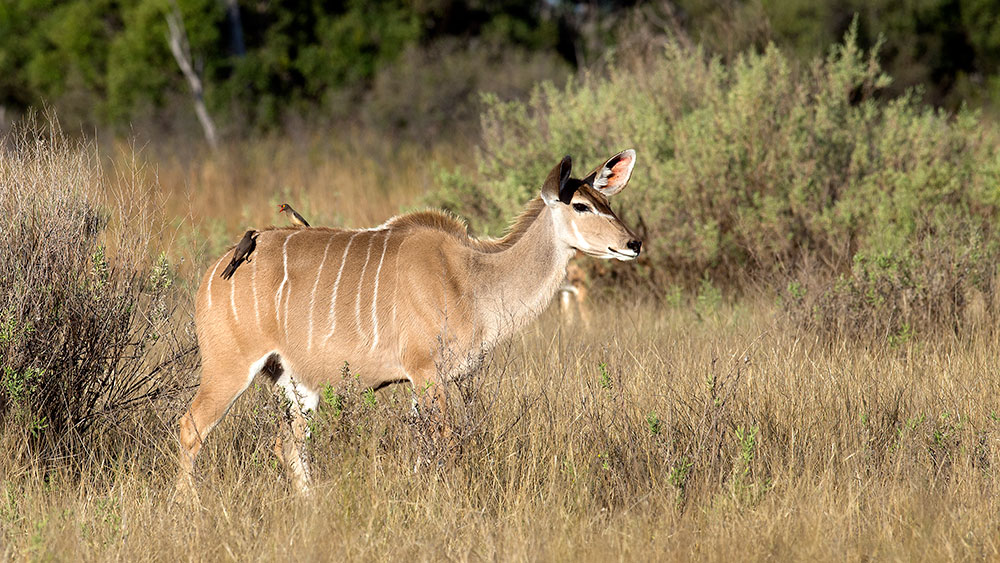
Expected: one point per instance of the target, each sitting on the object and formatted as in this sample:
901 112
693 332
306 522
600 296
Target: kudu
388 300
573 291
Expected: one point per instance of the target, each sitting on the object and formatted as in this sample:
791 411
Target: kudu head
583 219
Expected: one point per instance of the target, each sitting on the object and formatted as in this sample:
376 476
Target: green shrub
87 331
943 283
748 171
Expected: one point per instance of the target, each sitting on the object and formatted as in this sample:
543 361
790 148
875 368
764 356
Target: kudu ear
612 177
557 184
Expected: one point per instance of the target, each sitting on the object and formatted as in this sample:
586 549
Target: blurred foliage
949 47
764 154
106 62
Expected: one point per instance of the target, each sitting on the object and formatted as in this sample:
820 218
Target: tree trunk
236 44
178 41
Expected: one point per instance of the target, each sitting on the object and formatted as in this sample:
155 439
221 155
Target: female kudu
389 300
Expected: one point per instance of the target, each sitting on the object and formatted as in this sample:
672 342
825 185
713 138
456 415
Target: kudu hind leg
290 445
582 306
211 403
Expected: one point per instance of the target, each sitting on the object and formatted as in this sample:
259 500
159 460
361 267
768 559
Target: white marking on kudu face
579 237
336 286
378 272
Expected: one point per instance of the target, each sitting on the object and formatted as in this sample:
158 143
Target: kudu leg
432 402
212 401
583 308
290 445
435 401
564 305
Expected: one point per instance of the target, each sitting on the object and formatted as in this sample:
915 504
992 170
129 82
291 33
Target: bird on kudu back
241 253
292 215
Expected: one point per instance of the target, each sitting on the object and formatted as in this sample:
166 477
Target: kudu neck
521 280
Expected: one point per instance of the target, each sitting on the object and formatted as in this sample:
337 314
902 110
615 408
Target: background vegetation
767 172
106 64
800 366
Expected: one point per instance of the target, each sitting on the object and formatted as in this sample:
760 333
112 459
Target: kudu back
388 300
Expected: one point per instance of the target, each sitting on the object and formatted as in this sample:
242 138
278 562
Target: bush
750 171
87 333
943 284
745 168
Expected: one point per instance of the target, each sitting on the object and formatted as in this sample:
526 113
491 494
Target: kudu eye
581 207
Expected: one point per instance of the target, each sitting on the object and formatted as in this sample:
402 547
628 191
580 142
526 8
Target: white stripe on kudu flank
361 281
289 296
378 272
336 285
395 287
253 287
312 300
284 280
208 290
232 299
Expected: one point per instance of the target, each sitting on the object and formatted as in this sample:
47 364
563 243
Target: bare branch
181 49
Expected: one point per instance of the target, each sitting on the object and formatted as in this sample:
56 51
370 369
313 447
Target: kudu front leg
432 405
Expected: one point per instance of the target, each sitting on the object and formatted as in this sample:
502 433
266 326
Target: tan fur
439 220
574 292
415 299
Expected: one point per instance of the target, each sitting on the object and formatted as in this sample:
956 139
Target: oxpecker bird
293 215
241 253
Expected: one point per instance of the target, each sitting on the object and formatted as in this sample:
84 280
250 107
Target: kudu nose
634 245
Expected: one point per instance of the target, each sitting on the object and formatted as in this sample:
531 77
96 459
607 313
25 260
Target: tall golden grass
92 323
663 433
718 439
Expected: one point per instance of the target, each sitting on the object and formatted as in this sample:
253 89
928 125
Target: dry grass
712 432
350 178
91 321
856 453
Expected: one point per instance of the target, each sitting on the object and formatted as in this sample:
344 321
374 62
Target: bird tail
229 271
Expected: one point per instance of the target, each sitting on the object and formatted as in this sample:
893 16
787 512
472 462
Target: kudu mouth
623 255
630 252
